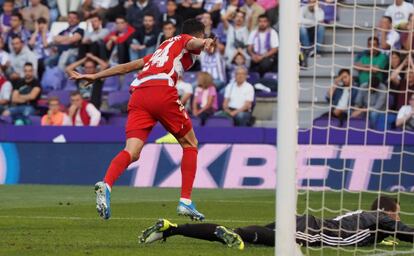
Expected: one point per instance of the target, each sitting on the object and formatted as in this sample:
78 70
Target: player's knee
133 153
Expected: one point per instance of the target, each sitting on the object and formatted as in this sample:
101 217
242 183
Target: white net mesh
354 144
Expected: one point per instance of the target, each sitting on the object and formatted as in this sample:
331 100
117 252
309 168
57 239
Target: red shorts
148 105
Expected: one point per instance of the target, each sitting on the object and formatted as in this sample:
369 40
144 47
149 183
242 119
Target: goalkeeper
360 228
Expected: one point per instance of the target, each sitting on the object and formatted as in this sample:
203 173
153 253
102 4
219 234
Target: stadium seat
270 75
190 77
262 94
53 79
111 84
36 120
253 77
196 121
219 122
117 120
162 5
64 96
128 78
358 123
325 122
70 85
117 98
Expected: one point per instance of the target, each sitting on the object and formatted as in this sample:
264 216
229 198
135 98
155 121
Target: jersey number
160 56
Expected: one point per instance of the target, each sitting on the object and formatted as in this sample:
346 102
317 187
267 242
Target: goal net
356 140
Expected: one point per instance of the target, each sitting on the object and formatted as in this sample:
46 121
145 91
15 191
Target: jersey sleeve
403 232
185 39
147 58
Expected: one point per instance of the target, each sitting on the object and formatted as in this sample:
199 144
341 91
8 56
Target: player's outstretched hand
210 45
90 78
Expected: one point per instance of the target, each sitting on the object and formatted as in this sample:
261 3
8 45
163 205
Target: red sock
188 171
117 167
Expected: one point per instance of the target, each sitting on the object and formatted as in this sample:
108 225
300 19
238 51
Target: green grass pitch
61 220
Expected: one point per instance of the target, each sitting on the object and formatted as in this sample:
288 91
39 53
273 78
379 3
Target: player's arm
116 70
201 44
402 231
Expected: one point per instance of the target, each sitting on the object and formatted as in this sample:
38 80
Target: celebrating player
360 228
154 98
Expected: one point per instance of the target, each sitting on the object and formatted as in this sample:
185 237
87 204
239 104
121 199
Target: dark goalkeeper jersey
360 228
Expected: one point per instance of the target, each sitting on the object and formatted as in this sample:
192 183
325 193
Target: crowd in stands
379 85
42 41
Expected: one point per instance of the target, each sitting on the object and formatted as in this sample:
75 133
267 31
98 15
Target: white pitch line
127 218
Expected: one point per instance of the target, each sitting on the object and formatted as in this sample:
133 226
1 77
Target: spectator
5 17
341 95
407 37
371 63
185 91
253 11
263 46
189 8
66 7
168 31
5 93
54 116
53 10
32 13
4 57
117 42
239 60
26 93
83 113
89 65
311 18
273 16
372 101
404 89
268 4
103 7
20 58
388 37
16 30
214 64
205 98
87 10
68 41
39 42
399 12
135 12
238 99
405 117
237 35
231 6
144 39
171 15
213 7
398 69
93 41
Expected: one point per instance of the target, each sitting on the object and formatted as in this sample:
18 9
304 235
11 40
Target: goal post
287 128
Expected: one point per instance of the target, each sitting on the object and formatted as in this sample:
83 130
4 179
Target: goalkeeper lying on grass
360 228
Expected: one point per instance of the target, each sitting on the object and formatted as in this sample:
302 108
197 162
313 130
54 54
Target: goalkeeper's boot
232 239
189 210
103 200
155 232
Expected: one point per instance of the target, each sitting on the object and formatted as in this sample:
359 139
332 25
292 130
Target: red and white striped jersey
167 63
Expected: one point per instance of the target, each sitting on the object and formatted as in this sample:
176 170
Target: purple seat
70 85
117 120
128 78
220 100
266 94
64 96
270 75
162 5
324 122
253 77
36 120
52 79
111 26
196 121
111 84
220 33
118 98
190 77
219 122
6 120
358 123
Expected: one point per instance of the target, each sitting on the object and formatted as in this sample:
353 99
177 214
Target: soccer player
154 98
361 228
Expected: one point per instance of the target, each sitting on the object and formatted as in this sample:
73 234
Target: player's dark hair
373 38
384 203
41 20
17 37
192 27
149 14
344 70
18 15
